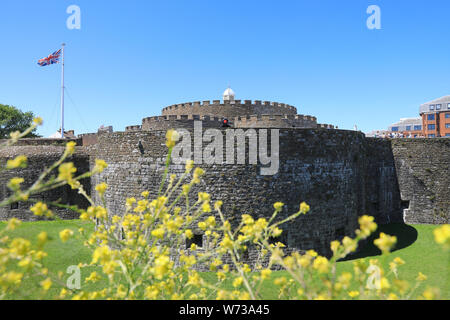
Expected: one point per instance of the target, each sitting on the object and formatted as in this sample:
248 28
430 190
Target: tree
13 119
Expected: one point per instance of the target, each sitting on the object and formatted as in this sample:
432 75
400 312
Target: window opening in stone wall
405 204
14 206
197 239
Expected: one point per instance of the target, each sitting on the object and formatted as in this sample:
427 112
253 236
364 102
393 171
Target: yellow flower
19 247
265 274
430 294
392 296
384 283
198 172
151 292
442 235
218 205
278 206
401 285
367 226
158 233
38 121
70 147
11 278
65 235
172 137
399 261
350 245
189 234
13 223
321 264
14 183
421 277
238 282
304 261
145 194
162 266
24 263
46 284
202 225
130 202
101 188
344 279
206 208
203 196
40 209
194 279
42 238
66 171
311 253
385 242
100 165
353 294
335 246
100 212
18 162
189 166
101 254
304 208
94 277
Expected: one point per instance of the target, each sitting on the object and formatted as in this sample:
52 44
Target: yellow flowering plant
148 252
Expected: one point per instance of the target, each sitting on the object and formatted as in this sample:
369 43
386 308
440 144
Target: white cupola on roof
229 95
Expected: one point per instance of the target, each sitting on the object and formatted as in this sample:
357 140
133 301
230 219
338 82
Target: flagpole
62 93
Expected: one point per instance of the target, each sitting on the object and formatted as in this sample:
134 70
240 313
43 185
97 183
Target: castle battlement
275 121
325 126
219 107
133 128
191 117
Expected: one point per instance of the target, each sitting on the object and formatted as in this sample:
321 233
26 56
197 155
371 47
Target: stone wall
322 167
40 158
275 121
179 122
227 110
423 175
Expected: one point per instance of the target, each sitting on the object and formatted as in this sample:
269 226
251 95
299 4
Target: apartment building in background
436 117
408 128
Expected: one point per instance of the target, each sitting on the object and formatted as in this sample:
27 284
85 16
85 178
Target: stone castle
341 174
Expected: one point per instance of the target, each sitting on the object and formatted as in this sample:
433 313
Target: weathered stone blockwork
229 110
322 167
423 177
41 157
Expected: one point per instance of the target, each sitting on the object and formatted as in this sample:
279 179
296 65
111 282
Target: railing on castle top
248 103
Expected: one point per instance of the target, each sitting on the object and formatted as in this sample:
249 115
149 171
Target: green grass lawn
415 246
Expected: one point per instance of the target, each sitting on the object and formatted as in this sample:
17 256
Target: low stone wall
40 158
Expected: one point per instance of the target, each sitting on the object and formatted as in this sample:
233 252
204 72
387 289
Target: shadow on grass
406 236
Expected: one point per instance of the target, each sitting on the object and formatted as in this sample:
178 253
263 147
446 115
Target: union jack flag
51 59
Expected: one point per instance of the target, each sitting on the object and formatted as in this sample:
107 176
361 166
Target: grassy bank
415 246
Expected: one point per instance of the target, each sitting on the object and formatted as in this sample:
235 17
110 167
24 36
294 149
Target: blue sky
132 58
